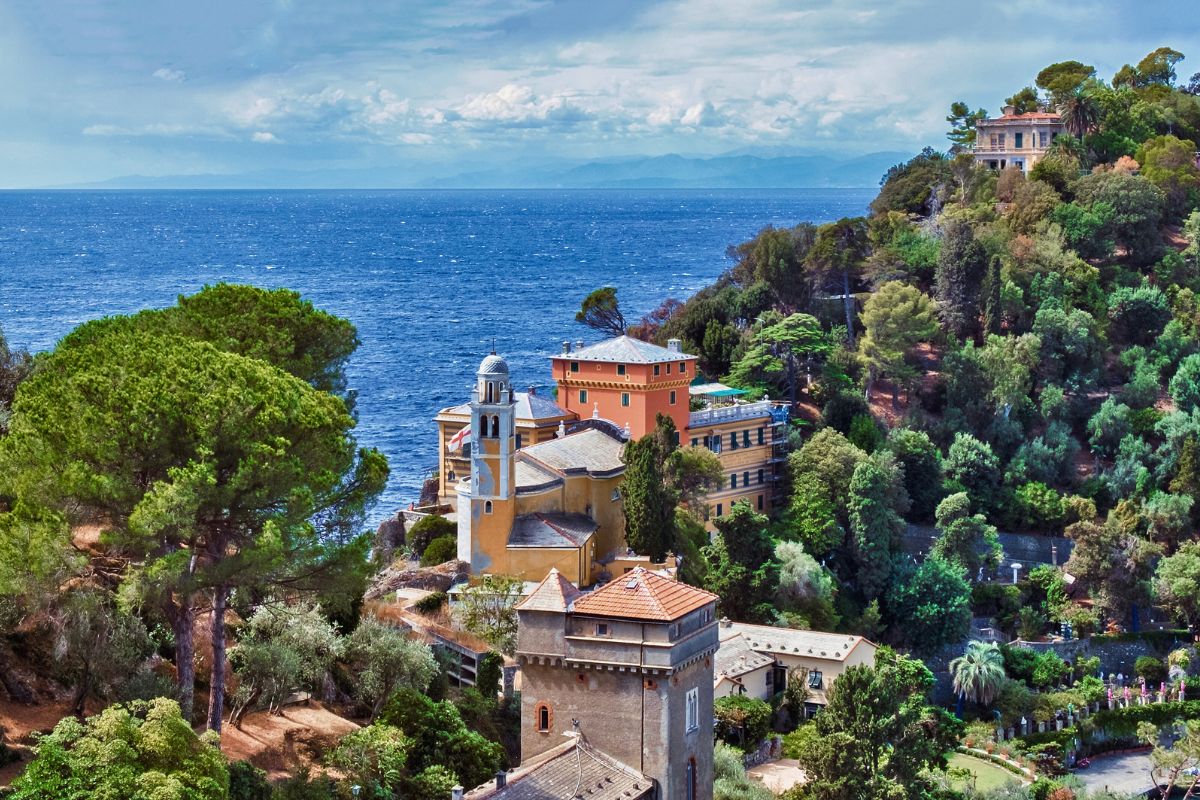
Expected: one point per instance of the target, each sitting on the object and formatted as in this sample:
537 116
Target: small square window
602 629
620 369
574 366
815 679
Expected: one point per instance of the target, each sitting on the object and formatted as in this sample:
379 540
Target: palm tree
978 673
1080 113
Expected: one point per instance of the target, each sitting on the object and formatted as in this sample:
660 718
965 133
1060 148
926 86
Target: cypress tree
649 506
958 277
876 527
992 314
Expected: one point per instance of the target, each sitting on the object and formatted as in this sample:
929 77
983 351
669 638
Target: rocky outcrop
404 575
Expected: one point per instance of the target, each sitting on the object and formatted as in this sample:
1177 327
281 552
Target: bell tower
487 502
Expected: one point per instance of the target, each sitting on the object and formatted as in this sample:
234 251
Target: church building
535 482
617 692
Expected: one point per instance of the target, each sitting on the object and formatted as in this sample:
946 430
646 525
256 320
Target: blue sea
429 278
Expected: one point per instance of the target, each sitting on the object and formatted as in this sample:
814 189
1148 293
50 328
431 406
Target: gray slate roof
589 450
531 477
626 350
736 658
529 407
551 530
575 770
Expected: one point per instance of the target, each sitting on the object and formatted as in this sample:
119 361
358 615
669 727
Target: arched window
490 390
495 427
487 506
543 717
691 779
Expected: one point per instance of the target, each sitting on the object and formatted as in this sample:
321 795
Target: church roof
493 365
642 594
532 407
589 450
554 593
551 530
626 350
573 770
531 477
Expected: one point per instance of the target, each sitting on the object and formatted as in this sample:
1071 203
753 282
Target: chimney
1008 111
532 391
501 779
674 345
579 344
566 348
726 622
456 793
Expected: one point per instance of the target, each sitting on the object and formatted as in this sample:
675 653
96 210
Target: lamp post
1016 568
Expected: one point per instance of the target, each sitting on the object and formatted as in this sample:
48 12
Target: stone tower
629 667
487 502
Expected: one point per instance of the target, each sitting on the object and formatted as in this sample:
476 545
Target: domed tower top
492 383
493 365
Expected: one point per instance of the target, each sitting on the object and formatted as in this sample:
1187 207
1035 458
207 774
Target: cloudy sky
99 88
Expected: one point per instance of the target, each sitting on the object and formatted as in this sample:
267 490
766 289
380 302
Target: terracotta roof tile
641 594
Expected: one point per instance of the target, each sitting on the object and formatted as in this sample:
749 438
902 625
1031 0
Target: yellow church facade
552 504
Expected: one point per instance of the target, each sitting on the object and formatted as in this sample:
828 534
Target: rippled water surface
429 278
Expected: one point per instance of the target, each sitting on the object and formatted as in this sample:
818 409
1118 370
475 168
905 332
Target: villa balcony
733 413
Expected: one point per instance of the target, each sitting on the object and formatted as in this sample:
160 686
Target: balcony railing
733 413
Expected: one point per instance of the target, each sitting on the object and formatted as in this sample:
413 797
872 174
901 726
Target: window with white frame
693 709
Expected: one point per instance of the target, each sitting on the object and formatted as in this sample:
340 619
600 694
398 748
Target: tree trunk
216 691
17 691
183 619
79 701
848 304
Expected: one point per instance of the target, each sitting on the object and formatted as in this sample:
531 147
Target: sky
95 89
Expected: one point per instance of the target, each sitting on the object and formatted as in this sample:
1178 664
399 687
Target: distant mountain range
731 171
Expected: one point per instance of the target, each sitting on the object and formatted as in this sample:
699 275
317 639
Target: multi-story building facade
535 483
1016 140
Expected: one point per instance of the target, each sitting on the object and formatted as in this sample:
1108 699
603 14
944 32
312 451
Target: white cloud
519 105
264 137
170 75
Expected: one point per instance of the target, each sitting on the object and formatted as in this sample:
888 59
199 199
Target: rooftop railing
734 413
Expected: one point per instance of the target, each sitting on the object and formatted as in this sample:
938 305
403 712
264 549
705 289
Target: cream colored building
756 660
1016 140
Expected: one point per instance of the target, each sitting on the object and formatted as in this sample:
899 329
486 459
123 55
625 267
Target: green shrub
1038 507
865 433
439 551
842 408
248 782
1150 668
426 530
431 602
742 721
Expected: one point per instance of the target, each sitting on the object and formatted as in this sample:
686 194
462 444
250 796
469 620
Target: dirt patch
300 736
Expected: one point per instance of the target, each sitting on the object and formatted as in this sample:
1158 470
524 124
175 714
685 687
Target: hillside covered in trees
984 350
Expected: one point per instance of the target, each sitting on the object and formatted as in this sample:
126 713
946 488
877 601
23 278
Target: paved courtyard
1128 773
778 776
